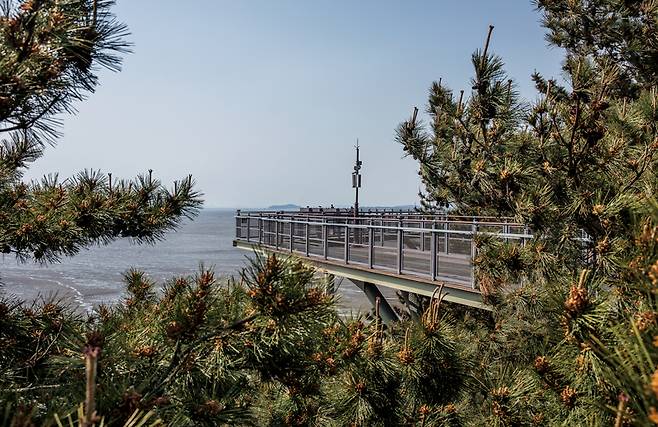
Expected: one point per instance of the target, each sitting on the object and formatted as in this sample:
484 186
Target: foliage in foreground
572 336
50 53
269 349
574 309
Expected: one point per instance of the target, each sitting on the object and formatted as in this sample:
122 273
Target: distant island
287 207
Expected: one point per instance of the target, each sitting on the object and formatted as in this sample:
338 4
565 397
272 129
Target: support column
372 293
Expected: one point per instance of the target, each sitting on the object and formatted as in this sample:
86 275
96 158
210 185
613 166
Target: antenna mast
356 179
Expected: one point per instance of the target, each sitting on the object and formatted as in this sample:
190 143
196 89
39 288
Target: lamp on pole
356 180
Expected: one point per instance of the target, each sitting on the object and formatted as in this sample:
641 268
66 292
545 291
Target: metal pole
356 194
276 230
260 229
270 232
292 235
433 254
238 224
248 228
400 237
347 243
306 229
371 235
373 294
474 229
325 242
356 181
422 237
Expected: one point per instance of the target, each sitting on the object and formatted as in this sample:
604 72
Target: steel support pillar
372 293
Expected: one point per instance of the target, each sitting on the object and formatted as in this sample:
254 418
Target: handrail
349 213
435 252
402 228
413 246
469 221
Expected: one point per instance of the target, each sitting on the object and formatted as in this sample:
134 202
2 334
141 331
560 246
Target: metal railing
438 248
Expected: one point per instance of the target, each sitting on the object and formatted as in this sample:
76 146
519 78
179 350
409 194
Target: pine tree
578 166
572 336
50 52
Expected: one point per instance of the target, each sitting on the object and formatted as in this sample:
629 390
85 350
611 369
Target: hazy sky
262 100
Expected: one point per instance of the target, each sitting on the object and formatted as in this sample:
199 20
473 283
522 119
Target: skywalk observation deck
406 251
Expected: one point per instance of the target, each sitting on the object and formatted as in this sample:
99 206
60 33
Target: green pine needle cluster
50 53
267 349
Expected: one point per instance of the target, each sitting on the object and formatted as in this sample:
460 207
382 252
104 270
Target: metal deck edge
455 294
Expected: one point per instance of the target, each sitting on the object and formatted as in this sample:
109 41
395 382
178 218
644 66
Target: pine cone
211 407
653 415
654 383
498 410
577 301
501 392
146 351
644 320
541 365
653 274
449 409
538 420
598 210
406 356
568 397
173 330
582 363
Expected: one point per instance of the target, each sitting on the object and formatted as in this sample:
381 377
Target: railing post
306 235
325 239
446 226
433 253
422 236
276 232
400 244
260 229
238 225
371 235
347 243
248 228
474 229
292 234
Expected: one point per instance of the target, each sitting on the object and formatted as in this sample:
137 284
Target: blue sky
262 100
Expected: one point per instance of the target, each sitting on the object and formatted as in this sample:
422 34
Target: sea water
94 276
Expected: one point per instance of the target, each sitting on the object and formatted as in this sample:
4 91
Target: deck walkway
405 251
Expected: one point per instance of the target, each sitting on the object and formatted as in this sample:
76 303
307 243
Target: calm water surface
94 276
